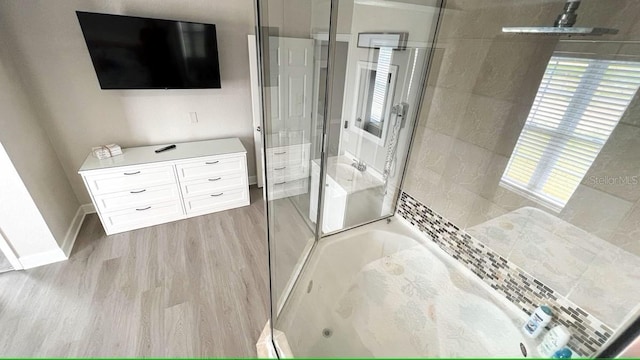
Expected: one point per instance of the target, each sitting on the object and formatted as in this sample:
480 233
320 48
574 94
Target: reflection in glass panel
381 85
292 104
374 93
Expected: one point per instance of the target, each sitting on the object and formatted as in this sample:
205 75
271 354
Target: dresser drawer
288 188
130 179
210 167
288 173
287 155
137 198
211 185
134 218
217 201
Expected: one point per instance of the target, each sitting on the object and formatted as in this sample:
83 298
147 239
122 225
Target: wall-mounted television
130 52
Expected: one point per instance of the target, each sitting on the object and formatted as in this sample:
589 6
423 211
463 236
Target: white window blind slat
557 113
594 124
542 143
562 96
578 104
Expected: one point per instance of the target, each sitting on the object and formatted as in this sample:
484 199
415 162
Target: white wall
35 160
44 36
21 223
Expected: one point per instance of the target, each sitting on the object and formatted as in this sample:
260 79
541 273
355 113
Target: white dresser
141 188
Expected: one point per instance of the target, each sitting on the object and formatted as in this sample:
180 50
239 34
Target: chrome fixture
400 111
359 164
562 26
568 17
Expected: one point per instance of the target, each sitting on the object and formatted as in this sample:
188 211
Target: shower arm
563 25
568 16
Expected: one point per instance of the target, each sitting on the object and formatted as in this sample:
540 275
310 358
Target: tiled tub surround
480 89
570 260
527 292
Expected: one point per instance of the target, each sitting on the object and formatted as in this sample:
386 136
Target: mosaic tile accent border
520 288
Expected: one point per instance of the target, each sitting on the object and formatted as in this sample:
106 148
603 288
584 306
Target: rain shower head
562 26
558 31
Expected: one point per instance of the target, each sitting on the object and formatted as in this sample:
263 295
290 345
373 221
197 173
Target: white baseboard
253 179
63 253
74 228
88 208
43 258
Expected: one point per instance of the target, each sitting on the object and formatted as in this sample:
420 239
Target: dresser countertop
146 154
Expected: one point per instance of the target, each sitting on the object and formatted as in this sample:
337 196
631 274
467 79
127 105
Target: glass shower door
373 76
293 87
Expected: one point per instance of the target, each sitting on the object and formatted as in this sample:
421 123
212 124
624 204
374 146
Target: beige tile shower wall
475 107
478 96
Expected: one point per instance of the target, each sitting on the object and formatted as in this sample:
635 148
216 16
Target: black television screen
141 53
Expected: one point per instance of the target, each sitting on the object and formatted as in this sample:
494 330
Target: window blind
380 89
577 106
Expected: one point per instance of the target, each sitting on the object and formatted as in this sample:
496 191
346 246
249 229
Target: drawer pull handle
217 194
143 209
133 173
280 183
280 168
216 179
138 192
280 153
212 162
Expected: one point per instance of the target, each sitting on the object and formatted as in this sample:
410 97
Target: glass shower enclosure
342 83
524 146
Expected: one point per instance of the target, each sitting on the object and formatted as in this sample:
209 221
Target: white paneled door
297 75
290 85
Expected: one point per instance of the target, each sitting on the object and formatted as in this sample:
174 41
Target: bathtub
385 290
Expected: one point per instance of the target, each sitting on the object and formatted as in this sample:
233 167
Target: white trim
253 180
74 228
55 255
9 253
43 258
256 110
88 209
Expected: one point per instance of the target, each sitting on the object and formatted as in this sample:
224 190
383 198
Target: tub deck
385 290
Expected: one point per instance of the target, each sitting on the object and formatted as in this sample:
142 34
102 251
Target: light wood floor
290 234
192 288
